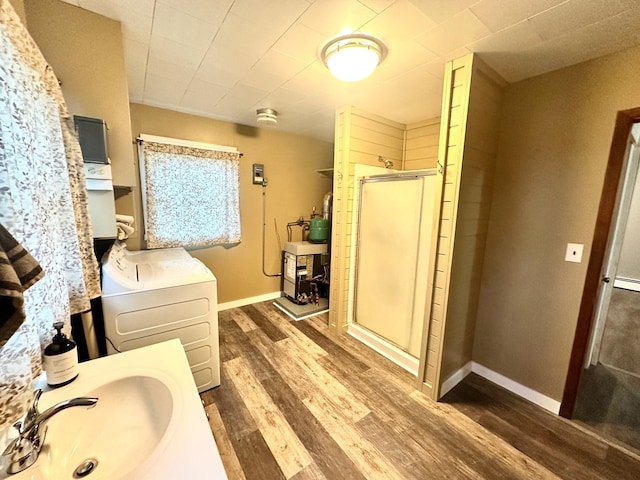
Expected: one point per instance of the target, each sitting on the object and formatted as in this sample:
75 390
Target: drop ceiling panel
176 53
441 10
456 32
225 58
333 17
499 14
574 14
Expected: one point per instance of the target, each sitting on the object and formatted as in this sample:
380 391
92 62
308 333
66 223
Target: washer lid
176 271
124 271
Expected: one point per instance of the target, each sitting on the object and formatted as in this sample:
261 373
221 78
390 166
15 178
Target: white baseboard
527 393
455 378
248 301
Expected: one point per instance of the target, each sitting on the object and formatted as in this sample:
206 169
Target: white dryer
151 296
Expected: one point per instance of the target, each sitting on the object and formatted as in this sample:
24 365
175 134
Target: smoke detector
267 115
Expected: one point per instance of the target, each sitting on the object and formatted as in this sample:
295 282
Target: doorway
603 382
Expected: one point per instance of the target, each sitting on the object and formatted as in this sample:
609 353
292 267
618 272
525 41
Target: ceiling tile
182 28
117 9
177 74
135 82
574 14
376 5
279 64
242 35
334 17
176 53
500 48
456 32
232 107
248 94
499 14
400 21
441 10
217 76
262 79
206 10
222 57
207 89
202 96
275 14
403 56
137 28
300 42
314 79
163 91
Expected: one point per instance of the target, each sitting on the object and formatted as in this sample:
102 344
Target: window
190 193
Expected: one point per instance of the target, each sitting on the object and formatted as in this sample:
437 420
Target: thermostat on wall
258 173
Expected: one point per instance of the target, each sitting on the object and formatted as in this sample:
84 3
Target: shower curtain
43 205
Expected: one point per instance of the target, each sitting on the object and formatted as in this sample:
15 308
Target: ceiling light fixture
354 56
267 115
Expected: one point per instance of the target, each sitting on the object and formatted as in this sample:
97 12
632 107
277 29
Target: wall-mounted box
92 134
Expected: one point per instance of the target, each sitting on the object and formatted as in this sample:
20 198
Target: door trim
623 124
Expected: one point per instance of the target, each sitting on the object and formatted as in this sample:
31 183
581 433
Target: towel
18 271
127 219
124 230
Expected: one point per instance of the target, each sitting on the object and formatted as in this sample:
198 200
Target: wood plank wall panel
473 207
450 152
421 145
360 139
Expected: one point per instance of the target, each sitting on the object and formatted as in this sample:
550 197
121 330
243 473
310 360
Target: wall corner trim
527 393
249 300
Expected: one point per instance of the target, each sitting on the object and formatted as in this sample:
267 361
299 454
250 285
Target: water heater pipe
264 227
327 205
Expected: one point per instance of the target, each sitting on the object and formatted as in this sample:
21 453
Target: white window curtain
43 205
191 193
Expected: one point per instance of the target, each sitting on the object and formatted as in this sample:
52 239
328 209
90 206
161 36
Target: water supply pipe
264 227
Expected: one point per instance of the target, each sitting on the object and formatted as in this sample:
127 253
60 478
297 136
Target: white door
612 255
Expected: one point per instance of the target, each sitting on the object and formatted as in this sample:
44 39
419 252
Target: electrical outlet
574 252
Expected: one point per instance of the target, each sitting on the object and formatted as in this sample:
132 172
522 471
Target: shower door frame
435 218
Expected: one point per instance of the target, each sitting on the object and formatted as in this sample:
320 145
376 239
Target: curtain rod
187 143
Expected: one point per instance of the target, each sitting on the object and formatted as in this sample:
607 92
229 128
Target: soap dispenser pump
60 359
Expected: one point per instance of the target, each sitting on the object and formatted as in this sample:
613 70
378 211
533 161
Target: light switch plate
574 252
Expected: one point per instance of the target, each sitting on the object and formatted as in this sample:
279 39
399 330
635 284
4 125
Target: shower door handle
606 279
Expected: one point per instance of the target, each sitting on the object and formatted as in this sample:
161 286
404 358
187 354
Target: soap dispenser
60 359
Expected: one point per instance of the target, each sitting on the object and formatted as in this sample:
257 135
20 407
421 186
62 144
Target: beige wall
555 137
290 164
86 53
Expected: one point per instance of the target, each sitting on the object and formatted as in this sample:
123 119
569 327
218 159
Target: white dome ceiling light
354 56
267 115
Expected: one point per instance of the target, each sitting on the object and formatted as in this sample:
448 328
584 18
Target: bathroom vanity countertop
187 448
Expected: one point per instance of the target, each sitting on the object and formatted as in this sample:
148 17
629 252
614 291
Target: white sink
148 422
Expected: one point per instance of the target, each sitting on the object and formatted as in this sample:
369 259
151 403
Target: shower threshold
384 348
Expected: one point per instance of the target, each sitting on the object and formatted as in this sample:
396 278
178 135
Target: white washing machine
151 296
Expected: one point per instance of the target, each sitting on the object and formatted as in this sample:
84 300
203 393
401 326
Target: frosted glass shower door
387 257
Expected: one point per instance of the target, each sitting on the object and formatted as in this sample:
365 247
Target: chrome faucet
23 451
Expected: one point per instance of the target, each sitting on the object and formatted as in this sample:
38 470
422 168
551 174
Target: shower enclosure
395 225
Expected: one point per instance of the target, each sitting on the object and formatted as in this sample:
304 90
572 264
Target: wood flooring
297 402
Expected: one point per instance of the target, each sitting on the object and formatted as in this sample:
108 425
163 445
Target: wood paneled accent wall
421 144
360 138
472 104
